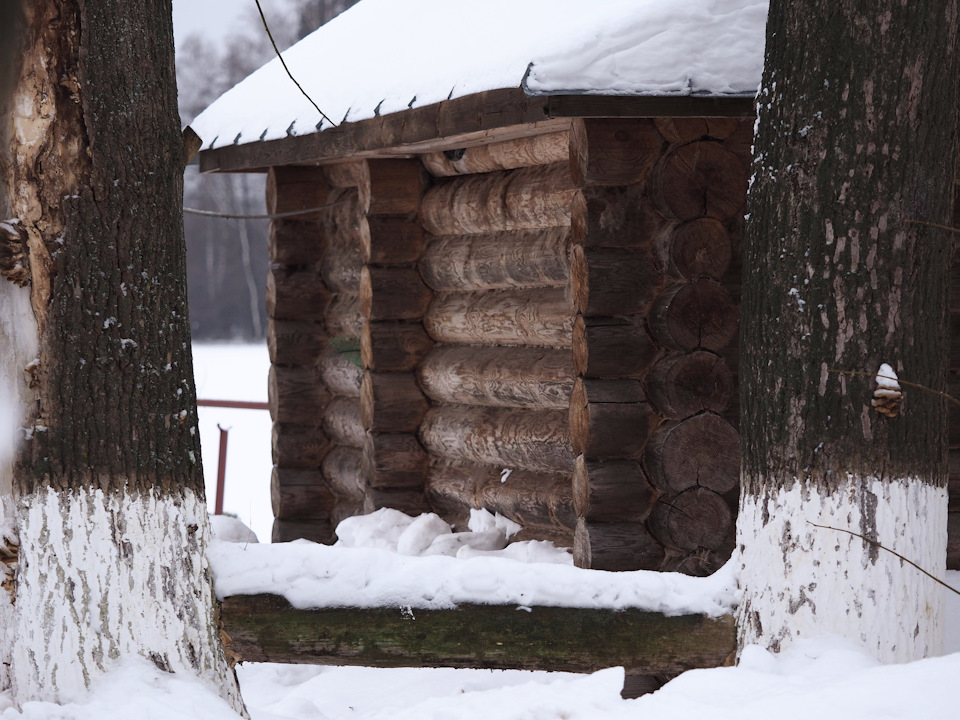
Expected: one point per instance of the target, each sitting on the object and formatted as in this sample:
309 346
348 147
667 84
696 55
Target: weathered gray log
507 155
616 546
684 384
340 268
391 402
295 242
353 173
610 418
691 315
613 281
294 342
617 217
392 240
699 248
299 446
613 151
343 316
538 378
693 519
521 258
320 531
295 293
700 179
702 450
339 373
406 500
295 395
291 188
342 423
504 437
611 490
393 293
394 460
396 186
612 347
532 499
688 129
393 345
542 317
342 470
345 508
265 628
526 198
298 494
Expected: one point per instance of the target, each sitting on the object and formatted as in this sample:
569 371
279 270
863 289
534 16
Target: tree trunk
854 158
112 519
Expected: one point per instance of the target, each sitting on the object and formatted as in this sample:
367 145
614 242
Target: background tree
227 259
95 345
854 157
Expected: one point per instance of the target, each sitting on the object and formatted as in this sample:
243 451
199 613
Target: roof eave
470 120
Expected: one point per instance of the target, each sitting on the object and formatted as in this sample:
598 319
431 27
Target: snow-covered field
394 559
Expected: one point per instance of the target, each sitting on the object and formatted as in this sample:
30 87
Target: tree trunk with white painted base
854 161
112 520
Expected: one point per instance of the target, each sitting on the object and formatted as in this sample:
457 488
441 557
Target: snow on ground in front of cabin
381 56
826 679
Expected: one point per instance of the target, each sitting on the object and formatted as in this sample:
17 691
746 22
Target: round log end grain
699 314
684 384
696 518
701 248
615 546
702 450
701 179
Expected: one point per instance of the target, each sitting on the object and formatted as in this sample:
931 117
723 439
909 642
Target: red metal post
221 470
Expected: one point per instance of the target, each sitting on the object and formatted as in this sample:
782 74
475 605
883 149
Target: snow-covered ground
405 559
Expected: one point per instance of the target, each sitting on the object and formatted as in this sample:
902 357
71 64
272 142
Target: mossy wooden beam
266 628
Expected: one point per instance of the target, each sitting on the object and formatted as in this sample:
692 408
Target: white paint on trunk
801 581
103 576
18 348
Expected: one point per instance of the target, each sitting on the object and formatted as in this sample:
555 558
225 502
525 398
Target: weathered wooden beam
266 628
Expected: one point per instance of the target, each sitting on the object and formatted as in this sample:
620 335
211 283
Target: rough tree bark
111 515
854 159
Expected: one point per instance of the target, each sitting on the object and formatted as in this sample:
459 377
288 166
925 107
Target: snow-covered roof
385 56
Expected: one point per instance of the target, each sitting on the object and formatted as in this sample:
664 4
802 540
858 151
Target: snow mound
230 529
389 559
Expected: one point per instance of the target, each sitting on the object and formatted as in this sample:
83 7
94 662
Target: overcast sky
215 18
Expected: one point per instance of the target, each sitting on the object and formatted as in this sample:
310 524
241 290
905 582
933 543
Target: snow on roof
384 56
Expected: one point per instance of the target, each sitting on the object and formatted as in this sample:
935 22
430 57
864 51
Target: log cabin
510 280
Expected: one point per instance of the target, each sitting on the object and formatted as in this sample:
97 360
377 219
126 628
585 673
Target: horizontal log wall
297 300
659 234
393 300
499 240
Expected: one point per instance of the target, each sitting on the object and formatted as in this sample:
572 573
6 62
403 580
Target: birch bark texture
854 160
111 516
